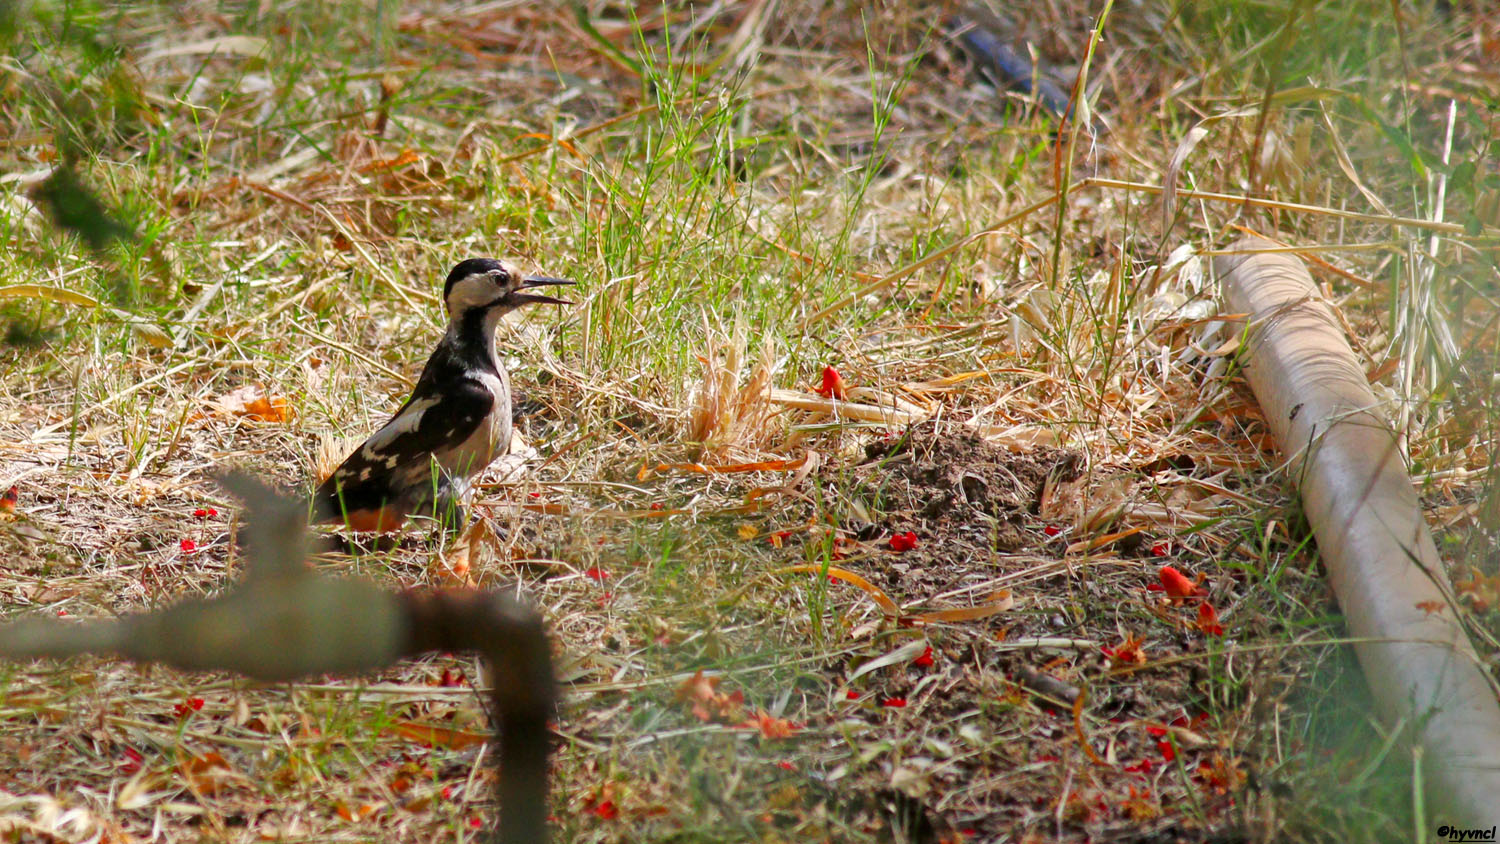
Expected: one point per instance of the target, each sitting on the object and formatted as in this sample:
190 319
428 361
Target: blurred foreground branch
285 622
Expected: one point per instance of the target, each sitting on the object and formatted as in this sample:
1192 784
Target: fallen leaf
770 727
223 45
904 654
1083 739
10 498
456 567
251 402
51 294
808 464
430 735
358 813
1094 544
1481 593
407 156
707 702
887 606
207 774
999 602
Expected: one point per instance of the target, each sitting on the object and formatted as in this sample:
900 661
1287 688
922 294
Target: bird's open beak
539 281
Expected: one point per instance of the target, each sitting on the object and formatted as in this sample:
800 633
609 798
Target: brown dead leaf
998 603
455 567
1480 592
430 735
1095 543
407 156
707 702
562 142
355 813
807 466
887 606
252 402
1380 371
207 774
770 727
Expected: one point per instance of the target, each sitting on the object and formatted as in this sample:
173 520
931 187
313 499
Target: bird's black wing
395 463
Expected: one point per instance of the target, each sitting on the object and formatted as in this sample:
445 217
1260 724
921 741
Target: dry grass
716 178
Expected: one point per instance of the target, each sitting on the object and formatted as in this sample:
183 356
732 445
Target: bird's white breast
492 436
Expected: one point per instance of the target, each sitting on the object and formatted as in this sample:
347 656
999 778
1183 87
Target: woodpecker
457 420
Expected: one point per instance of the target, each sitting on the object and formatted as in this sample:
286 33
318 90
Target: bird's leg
450 513
448 509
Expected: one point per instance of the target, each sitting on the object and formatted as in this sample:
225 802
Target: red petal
833 386
1176 583
1208 620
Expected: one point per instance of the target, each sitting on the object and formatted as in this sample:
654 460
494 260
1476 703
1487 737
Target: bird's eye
500 277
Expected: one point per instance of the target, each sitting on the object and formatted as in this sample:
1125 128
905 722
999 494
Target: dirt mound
946 482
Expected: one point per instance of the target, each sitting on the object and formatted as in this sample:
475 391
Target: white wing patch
405 423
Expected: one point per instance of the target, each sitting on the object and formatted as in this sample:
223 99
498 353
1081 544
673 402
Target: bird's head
485 284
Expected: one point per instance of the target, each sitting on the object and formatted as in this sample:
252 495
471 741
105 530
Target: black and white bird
457 420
